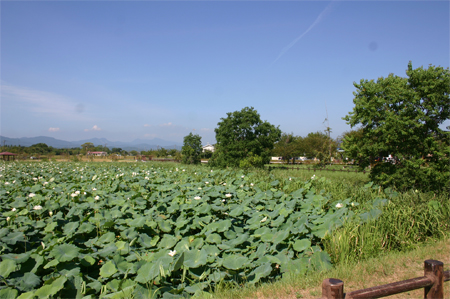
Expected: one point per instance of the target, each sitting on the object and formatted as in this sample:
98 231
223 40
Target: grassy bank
356 275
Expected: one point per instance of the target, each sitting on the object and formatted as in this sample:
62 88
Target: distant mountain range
138 144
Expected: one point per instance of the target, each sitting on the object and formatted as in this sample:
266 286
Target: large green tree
401 117
192 149
244 140
288 147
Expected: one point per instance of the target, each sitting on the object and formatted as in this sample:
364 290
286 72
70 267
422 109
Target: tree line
395 117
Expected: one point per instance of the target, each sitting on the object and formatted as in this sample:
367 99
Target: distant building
208 147
97 154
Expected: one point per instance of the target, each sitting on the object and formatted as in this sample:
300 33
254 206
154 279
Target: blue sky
127 70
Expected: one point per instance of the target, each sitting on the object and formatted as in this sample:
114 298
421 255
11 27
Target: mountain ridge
137 144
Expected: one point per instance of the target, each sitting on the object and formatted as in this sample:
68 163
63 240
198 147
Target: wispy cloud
94 128
147 125
322 15
166 125
42 102
53 129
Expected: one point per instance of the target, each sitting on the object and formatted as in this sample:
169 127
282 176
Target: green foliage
192 149
241 133
401 117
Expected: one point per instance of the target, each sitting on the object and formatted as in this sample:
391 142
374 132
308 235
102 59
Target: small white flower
184 170
8 218
242 176
97 197
74 195
224 184
31 195
199 188
94 189
290 179
94 177
264 219
206 182
172 253
228 195
45 183
251 184
51 180
339 205
176 169
313 177
242 186
14 181
50 213
13 209
223 200
211 170
353 204
38 207
197 197
77 192
84 193
34 179
6 183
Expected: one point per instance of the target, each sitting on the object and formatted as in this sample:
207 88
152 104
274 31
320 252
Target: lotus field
111 230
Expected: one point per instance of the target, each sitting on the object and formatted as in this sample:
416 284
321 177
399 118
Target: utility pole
328 130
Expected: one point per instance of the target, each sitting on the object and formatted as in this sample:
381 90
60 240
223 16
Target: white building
208 147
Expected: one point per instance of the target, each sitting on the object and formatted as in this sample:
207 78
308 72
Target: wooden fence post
332 288
434 270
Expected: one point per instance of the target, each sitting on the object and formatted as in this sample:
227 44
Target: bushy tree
288 147
243 135
192 149
401 117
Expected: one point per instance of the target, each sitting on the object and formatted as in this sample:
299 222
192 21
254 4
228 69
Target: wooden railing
432 282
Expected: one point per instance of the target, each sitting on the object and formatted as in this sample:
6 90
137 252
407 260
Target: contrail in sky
317 21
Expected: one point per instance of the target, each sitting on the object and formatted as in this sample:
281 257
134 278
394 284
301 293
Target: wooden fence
432 282
312 168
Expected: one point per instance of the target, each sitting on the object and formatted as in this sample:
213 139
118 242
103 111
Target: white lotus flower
50 213
197 197
290 179
94 189
224 184
45 183
97 197
8 218
206 182
251 184
13 209
74 195
77 192
6 183
31 195
242 176
339 205
264 219
353 204
228 195
172 253
38 207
